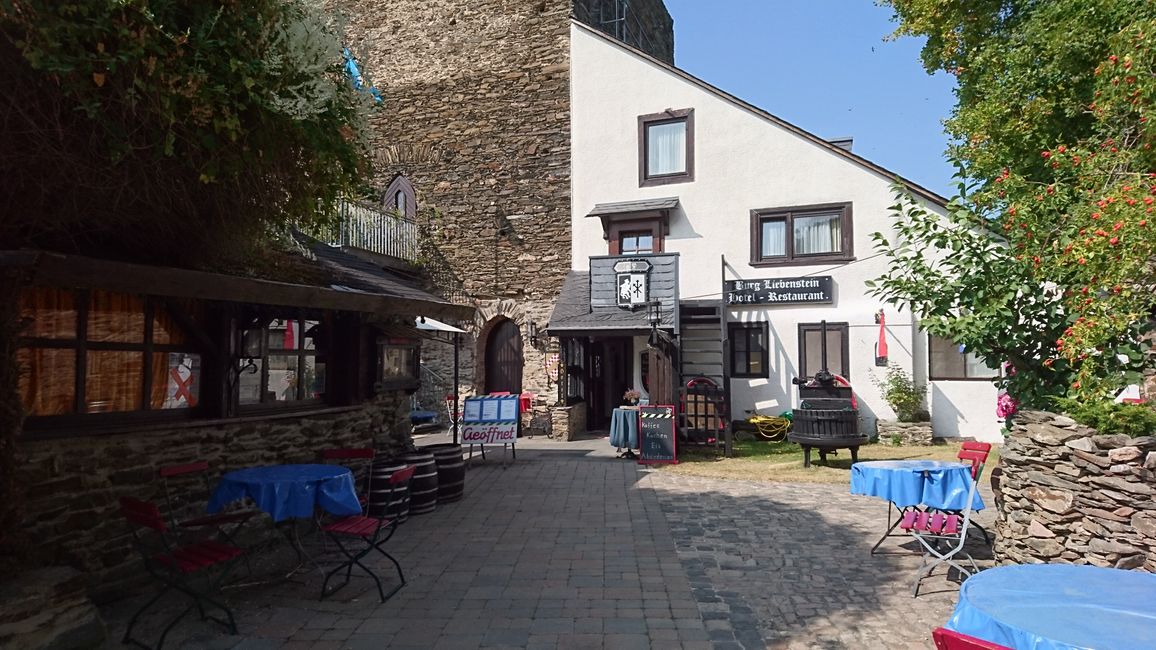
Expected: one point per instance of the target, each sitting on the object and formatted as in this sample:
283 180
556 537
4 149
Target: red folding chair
975 453
370 531
225 524
946 639
942 537
174 566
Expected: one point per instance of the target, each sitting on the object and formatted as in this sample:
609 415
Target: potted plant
631 397
913 423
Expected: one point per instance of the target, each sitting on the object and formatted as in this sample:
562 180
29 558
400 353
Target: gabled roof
778 121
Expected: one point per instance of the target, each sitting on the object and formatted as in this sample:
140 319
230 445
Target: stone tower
476 120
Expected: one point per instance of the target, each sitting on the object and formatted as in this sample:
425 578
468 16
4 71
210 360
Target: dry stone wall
1067 494
72 484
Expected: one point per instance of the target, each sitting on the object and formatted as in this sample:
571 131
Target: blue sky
824 66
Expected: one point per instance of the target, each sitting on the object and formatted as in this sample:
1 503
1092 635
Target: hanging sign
656 434
490 420
633 279
814 290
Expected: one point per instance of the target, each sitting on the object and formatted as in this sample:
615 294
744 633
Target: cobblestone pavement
568 547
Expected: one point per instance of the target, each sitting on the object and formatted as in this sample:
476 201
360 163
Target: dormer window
666 148
400 198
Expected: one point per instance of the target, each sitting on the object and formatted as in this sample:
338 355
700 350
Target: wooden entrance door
660 380
504 359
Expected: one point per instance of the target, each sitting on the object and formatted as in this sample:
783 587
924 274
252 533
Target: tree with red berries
1046 261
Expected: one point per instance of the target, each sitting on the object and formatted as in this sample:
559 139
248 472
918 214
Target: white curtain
774 238
817 234
666 148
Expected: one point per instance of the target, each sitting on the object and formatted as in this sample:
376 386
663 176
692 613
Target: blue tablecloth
1058 606
932 483
290 491
624 428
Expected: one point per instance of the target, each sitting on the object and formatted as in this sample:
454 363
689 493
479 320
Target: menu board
490 420
657 434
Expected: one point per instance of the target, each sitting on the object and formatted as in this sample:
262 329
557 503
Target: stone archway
503 358
500 318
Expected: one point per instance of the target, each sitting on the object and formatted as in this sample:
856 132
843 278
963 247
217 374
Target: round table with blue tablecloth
1058 607
290 491
932 483
624 428
907 484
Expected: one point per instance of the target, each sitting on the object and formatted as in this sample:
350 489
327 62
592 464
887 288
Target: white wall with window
772 199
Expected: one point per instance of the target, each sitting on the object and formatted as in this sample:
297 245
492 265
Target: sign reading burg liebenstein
779 291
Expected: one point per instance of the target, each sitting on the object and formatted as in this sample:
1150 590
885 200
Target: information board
490 420
657 434
779 291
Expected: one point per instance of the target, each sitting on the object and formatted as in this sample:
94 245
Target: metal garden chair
224 524
942 536
346 454
175 566
374 532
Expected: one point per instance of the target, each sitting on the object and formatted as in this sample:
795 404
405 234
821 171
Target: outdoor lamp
534 333
654 317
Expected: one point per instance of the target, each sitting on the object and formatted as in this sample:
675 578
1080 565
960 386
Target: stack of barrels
439 477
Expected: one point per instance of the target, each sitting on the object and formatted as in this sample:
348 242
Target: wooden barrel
381 504
451 471
423 489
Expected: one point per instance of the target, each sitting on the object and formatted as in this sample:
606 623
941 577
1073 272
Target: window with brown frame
666 147
949 361
811 349
811 234
635 242
748 349
283 362
103 352
636 236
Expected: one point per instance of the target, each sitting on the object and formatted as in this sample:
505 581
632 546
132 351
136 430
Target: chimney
842 143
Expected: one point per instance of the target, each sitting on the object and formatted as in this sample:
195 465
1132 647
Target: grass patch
782 462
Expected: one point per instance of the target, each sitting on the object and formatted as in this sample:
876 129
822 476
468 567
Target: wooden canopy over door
504 359
661 379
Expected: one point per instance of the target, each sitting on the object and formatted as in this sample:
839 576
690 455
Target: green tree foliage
171 130
1047 264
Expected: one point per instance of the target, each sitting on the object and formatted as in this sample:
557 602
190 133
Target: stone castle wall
72 484
1069 495
476 115
649 26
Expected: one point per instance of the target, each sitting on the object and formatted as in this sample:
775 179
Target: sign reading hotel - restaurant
779 291
490 420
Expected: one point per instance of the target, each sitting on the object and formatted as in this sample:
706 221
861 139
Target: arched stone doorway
503 360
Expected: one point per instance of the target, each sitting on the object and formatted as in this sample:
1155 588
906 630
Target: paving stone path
569 547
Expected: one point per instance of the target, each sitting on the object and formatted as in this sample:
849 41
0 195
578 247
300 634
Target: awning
659 209
431 325
354 288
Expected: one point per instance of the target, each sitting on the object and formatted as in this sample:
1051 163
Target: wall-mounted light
654 317
535 335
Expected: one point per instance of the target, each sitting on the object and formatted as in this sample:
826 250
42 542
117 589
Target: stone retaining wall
1069 495
72 484
904 433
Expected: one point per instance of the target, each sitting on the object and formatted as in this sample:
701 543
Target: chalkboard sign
779 291
656 434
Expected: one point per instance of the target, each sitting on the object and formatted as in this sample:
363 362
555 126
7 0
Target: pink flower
1006 406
